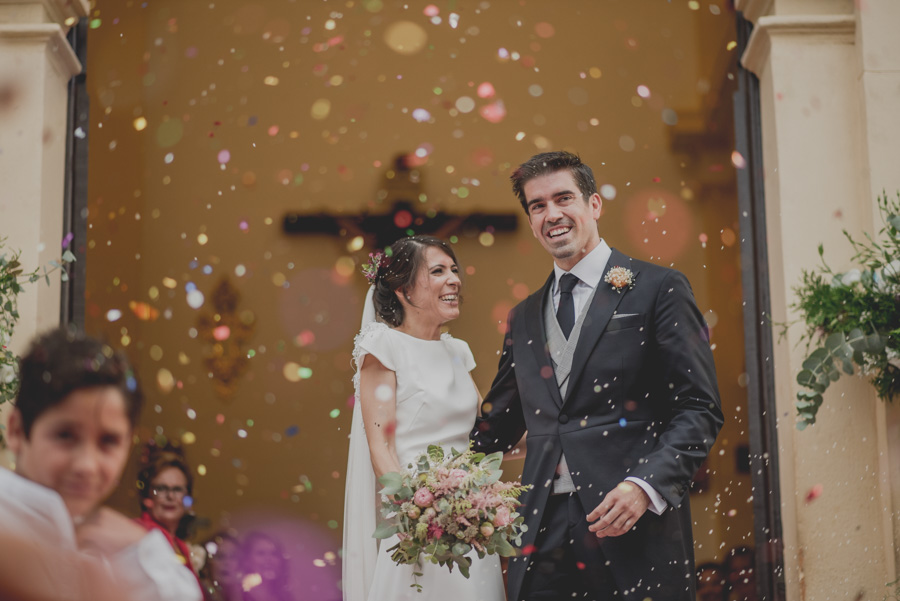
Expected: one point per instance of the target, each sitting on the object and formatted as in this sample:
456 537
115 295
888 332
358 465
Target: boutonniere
619 278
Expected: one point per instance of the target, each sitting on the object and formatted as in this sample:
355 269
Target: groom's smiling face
561 219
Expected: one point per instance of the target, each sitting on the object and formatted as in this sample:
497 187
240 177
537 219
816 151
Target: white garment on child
148 569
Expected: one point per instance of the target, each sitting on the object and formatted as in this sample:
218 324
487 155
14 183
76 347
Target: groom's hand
619 511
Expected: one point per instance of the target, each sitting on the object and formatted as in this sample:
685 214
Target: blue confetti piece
622 422
292 431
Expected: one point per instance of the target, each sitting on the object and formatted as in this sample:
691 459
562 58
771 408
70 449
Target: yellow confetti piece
320 109
165 380
355 244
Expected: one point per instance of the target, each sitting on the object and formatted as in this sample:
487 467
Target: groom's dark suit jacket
642 401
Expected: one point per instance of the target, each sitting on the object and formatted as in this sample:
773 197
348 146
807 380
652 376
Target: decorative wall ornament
225 332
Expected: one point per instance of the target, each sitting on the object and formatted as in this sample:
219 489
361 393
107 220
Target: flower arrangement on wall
853 318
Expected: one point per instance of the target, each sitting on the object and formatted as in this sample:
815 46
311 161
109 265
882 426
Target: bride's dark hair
398 272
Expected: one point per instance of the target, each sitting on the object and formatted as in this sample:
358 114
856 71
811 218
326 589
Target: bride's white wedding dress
436 404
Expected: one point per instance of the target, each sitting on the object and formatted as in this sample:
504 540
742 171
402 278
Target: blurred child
222 575
71 433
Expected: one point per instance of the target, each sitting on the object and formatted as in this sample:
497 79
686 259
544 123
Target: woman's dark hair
398 272
63 361
156 460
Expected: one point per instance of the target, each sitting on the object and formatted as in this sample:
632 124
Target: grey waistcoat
561 353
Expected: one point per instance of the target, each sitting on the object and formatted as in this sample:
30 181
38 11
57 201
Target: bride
413 389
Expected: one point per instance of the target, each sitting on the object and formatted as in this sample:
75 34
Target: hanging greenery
12 279
852 318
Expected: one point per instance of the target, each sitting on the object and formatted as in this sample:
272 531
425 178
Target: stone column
828 91
36 64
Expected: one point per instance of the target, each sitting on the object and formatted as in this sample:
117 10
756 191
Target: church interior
245 157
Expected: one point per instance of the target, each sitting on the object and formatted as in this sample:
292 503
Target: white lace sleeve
374 339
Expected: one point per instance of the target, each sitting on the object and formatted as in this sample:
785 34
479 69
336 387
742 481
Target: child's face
78 447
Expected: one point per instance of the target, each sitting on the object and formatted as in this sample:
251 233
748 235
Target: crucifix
402 185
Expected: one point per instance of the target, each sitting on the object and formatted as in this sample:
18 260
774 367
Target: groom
608 369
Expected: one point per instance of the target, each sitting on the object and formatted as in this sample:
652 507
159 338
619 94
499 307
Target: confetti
544 30
464 104
143 311
494 112
165 380
405 37
195 299
320 109
814 493
486 90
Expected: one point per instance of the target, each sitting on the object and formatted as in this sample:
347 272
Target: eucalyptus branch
13 280
838 308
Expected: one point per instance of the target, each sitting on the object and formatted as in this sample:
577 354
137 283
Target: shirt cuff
657 504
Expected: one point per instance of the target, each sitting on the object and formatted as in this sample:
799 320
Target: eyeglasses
162 489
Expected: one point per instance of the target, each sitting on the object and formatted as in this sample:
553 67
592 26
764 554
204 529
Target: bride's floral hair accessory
376 261
619 278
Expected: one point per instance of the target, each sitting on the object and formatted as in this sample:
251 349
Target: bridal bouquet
446 506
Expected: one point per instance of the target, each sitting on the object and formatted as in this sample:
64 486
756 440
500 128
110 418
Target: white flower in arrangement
893 356
7 374
851 277
846 279
4 338
891 271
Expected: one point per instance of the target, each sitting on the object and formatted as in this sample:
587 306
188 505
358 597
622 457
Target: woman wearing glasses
165 486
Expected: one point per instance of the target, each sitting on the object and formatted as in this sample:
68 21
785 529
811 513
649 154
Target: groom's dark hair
551 162
398 272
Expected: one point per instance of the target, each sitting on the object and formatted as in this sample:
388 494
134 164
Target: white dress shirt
148 569
589 271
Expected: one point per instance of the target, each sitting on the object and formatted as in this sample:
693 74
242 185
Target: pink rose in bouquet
423 497
502 517
458 475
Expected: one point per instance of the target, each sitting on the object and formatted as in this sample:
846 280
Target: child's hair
63 361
